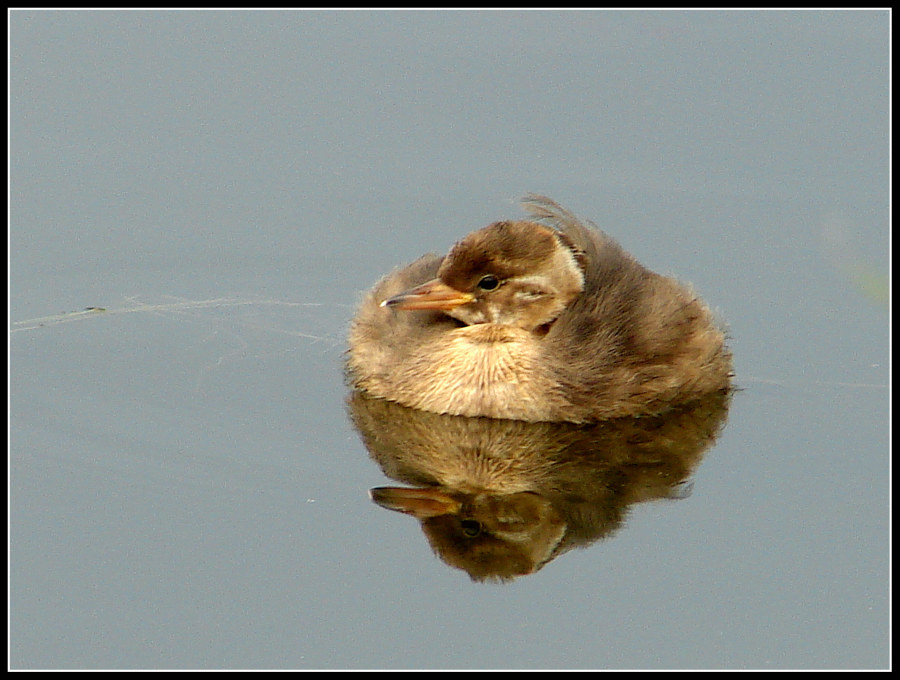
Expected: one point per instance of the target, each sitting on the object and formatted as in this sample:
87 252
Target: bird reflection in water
501 498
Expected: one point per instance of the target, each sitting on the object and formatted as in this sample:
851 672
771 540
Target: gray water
186 488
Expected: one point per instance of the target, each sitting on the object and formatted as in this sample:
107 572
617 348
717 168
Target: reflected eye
489 282
470 527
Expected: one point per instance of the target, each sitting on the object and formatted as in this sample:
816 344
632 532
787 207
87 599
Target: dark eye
489 282
471 527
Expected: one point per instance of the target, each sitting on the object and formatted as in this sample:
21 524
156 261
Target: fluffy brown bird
540 320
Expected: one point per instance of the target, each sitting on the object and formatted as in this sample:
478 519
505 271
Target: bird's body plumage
546 320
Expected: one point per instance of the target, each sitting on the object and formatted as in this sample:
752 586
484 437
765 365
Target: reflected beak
420 503
434 294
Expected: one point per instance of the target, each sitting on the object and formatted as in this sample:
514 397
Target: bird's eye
489 282
471 527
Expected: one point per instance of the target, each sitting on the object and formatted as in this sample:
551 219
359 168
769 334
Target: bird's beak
420 503
434 294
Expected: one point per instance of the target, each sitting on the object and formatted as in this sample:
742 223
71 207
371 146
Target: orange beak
434 294
420 503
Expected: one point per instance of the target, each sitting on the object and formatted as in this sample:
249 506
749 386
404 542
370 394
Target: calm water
187 490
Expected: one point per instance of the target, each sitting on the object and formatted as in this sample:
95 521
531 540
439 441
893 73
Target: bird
546 319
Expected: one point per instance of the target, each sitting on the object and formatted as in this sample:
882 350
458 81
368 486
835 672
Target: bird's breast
484 369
